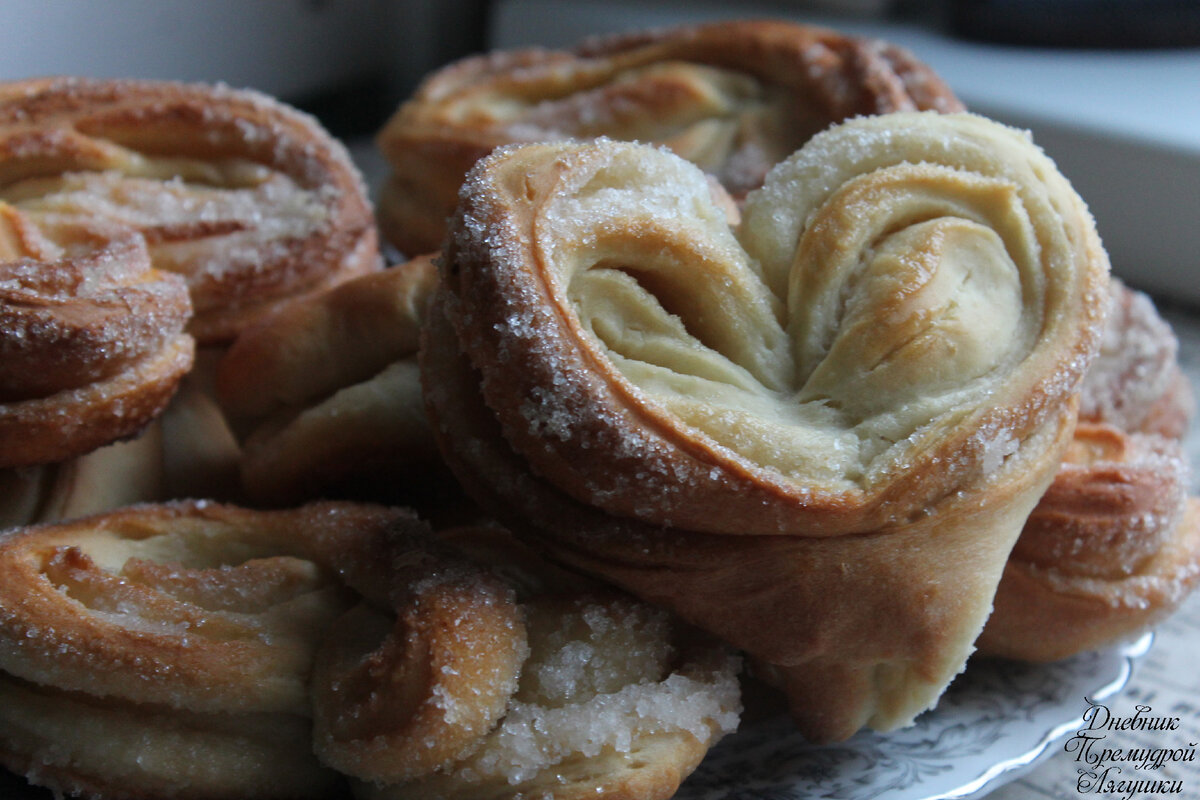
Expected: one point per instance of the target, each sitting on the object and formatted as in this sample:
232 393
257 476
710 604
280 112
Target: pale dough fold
817 433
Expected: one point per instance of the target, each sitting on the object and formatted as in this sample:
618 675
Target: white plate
996 720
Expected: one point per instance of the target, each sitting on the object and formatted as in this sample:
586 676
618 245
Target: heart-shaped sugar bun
817 432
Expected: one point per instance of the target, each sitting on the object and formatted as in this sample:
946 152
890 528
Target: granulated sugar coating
598 679
165 650
252 209
604 682
902 289
251 201
1136 382
732 97
875 368
92 341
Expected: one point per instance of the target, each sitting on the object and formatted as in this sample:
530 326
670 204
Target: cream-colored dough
818 433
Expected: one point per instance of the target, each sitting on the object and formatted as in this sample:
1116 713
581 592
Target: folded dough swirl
507 677
165 650
92 341
734 97
1113 546
327 392
817 434
251 201
1111 549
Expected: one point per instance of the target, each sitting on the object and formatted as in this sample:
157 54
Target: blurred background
1110 88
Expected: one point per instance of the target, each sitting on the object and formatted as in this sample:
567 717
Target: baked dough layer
92 341
251 201
818 434
326 391
734 97
1114 544
509 677
165 651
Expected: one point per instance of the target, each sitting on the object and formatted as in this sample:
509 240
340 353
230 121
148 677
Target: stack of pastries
719 351
145 225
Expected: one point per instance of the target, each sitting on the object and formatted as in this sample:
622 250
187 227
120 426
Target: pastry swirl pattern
734 97
1113 546
885 354
165 650
509 677
92 341
1111 549
249 200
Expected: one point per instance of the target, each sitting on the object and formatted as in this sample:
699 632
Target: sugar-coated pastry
92 342
327 390
188 451
93 747
1113 546
249 200
734 97
817 434
164 651
496 675
1136 383
1111 549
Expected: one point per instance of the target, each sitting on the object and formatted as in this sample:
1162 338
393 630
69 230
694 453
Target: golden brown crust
91 338
511 288
660 400
796 604
248 199
734 97
1044 615
1114 501
440 680
1111 549
503 678
165 650
159 562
